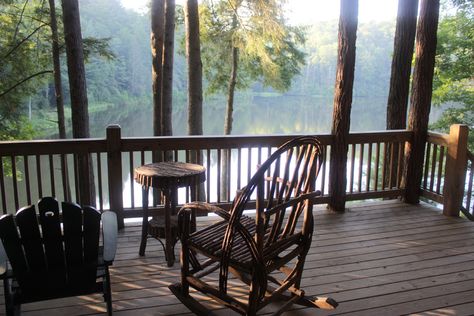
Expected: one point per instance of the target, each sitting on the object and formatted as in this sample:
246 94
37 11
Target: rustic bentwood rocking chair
54 258
265 254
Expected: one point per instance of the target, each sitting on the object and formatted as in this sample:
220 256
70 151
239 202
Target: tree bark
168 51
231 91
397 102
157 30
78 92
57 70
342 103
403 46
76 71
193 55
420 101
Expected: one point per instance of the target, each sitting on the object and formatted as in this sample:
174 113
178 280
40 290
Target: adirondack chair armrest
3 261
109 230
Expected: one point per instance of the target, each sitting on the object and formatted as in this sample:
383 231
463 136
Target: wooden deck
379 258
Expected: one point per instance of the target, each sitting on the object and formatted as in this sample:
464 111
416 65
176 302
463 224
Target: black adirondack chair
53 258
266 253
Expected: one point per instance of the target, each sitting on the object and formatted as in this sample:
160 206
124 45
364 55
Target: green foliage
453 82
269 50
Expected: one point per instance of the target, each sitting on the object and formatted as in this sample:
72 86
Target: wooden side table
168 177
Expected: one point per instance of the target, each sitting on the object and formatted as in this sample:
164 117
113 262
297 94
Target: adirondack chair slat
72 225
27 222
91 241
12 244
51 229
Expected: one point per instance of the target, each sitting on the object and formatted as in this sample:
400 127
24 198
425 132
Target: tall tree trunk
57 70
420 101
231 91
401 64
157 30
342 103
58 89
397 102
156 39
168 51
225 158
78 92
193 56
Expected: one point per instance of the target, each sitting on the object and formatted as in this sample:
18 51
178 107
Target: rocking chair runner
267 253
54 259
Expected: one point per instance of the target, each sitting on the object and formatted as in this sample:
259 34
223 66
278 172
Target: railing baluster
208 176
361 166
401 153
427 163
392 162
469 186
324 166
15 183
369 167
27 179
218 176
38 175
377 165
65 177
132 180
351 175
76 178
51 175
228 173
239 167
433 167
384 167
99 182
249 164
2 187
440 169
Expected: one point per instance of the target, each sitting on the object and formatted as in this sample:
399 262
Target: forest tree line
118 63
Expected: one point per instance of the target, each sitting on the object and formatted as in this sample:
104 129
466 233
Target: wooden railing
31 169
444 170
467 207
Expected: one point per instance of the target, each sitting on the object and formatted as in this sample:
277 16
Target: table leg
170 206
144 222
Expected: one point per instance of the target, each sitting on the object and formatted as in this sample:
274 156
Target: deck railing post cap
113 126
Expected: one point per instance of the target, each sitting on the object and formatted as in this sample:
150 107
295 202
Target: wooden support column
342 103
420 102
114 166
455 170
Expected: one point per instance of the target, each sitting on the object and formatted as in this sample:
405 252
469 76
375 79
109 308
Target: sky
307 11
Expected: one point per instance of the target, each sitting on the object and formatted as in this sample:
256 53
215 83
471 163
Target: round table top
168 174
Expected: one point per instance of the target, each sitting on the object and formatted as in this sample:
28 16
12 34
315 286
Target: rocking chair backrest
286 177
48 256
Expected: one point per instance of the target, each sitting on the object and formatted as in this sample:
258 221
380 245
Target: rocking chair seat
209 242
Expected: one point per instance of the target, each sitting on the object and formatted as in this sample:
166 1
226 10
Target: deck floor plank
378 258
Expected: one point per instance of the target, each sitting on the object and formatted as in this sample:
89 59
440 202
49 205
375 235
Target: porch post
455 173
420 102
114 169
342 104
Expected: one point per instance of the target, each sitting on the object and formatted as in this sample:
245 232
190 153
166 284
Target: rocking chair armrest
299 199
3 261
109 230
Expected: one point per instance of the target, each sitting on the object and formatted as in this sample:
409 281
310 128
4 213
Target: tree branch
24 80
24 40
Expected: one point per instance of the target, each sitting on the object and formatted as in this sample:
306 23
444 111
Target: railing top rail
438 138
44 147
56 146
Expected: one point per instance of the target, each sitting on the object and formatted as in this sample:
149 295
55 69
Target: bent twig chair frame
265 254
